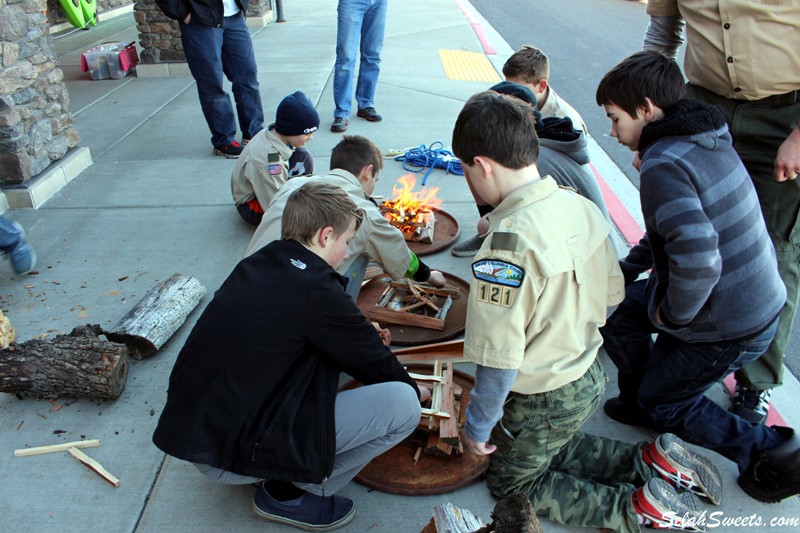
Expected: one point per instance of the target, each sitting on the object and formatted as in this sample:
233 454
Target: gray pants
369 421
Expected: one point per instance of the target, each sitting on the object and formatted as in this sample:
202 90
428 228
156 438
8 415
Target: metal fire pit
445 233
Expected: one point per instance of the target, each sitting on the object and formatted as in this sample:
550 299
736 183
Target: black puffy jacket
205 12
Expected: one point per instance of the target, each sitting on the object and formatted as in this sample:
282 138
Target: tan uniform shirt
261 169
739 49
554 106
541 285
375 238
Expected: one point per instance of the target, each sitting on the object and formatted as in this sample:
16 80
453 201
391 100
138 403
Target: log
387 316
513 514
79 364
158 315
448 518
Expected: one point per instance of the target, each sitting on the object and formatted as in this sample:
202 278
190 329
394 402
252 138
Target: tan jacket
554 106
541 285
739 49
375 238
261 169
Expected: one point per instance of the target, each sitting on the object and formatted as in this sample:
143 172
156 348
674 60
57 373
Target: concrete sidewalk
155 202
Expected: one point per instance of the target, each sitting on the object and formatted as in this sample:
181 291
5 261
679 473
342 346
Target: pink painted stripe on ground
627 225
478 29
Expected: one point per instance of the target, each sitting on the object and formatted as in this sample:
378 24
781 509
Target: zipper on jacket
255 449
322 485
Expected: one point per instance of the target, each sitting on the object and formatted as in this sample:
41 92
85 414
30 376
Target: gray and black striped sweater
715 276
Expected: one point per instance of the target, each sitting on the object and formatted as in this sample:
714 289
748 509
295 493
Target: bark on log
513 514
158 315
79 364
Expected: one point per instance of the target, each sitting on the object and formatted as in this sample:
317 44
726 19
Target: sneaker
370 114
339 125
309 511
774 475
660 507
23 256
751 404
626 414
682 468
469 247
231 151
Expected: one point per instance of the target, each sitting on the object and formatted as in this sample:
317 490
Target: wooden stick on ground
94 465
24 452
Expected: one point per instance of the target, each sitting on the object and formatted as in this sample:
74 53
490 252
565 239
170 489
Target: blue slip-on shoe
309 511
23 256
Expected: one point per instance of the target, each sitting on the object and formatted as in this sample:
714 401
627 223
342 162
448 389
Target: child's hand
478 448
385 334
436 279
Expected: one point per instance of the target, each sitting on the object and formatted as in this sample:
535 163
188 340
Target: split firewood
513 514
417 454
38 450
436 397
158 315
436 447
445 351
388 316
7 331
454 292
448 427
94 465
80 364
447 518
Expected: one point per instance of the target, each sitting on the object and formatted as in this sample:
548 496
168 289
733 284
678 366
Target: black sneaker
309 512
468 248
774 475
339 125
626 414
751 404
663 508
370 114
231 151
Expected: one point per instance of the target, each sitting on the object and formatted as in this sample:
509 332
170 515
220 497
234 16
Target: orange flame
410 201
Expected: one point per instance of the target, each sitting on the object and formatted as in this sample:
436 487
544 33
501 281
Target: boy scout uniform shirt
375 237
744 49
261 169
541 284
554 106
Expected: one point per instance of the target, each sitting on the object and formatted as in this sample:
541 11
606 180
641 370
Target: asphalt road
584 39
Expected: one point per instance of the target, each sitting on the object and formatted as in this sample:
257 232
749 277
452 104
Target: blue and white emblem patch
299 264
499 272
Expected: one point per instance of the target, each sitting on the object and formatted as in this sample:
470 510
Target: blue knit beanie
296 115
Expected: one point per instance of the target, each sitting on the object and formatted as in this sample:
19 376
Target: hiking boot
370 114
469 247
660 507
339 125
682 468
751 404
774 475
231 151
309 511
22 255
624 413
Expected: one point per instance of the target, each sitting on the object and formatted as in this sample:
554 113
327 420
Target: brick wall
36 126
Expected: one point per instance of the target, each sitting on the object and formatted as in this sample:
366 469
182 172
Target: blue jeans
212 52
667 379
359 22
10 234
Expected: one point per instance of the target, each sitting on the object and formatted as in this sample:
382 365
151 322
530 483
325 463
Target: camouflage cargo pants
570 477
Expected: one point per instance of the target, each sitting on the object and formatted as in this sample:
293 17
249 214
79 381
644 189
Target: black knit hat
296 115
520 92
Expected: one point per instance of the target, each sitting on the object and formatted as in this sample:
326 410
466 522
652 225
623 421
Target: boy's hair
497 126
528 64
354 152
646 74
315 206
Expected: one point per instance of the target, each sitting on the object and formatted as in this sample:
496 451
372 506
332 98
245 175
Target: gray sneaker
682 468
468 248
751 404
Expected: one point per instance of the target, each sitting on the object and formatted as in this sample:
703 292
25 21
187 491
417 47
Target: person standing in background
216 41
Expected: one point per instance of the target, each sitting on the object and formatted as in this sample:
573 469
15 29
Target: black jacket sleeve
174 9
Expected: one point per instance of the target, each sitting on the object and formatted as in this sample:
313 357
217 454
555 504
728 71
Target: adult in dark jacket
253 394
216 41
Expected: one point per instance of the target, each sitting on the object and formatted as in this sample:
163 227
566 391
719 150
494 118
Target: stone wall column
36 127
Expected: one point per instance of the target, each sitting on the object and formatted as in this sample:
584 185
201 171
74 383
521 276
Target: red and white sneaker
659 506
231 151
682 468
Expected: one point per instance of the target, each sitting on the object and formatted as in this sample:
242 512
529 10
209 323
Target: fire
410 210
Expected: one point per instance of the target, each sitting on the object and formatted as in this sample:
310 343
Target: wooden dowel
24 452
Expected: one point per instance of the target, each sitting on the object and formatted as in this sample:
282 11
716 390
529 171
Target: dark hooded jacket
205 12
254 387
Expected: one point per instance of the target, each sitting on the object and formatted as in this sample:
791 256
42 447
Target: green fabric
504 241
413 265
570 477
758 130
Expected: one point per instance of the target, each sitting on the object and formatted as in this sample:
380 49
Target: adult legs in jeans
562 471
758 130
212 52
673 377
369 421
359 22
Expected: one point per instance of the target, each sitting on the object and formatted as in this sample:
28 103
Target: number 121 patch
495 294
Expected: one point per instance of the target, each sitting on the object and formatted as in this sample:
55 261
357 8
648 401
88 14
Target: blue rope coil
435 156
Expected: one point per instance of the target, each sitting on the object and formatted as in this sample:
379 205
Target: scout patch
499 281
274 170
274 157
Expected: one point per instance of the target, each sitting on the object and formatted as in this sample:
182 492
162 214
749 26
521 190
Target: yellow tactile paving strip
468 66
